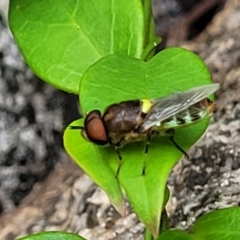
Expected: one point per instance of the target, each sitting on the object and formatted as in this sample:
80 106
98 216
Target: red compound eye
94 128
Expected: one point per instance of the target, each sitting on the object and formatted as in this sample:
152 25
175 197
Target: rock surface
32 118
211 178
68 200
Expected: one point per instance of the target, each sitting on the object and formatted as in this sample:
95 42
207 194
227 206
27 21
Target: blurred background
35 170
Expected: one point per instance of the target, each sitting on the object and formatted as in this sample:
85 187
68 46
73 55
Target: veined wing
165 107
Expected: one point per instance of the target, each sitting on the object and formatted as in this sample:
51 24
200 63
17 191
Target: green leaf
52 236
221 224
61 39
116 78
177 235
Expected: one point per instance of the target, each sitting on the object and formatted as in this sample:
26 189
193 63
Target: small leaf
220 224
118 77
176 235
53 236
61 39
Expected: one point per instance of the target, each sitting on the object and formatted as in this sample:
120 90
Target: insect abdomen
189 116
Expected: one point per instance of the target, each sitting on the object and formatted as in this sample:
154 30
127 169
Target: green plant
53 236
104 51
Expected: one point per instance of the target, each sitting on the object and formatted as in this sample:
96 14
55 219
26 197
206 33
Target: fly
136 120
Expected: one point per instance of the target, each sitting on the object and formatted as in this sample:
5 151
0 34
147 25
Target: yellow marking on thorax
146 105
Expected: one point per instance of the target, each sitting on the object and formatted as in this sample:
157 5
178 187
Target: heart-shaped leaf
118 77
61 39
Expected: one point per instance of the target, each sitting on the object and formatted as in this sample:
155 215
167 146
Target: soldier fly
135 120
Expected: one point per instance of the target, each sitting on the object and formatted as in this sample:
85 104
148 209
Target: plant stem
164 226
151 40
147 10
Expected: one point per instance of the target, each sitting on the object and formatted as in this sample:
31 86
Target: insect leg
118 153
146 151
171 131
148 142
116 148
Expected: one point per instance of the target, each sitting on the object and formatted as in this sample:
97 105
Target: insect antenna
76 127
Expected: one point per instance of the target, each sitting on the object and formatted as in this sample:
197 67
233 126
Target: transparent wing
165 107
